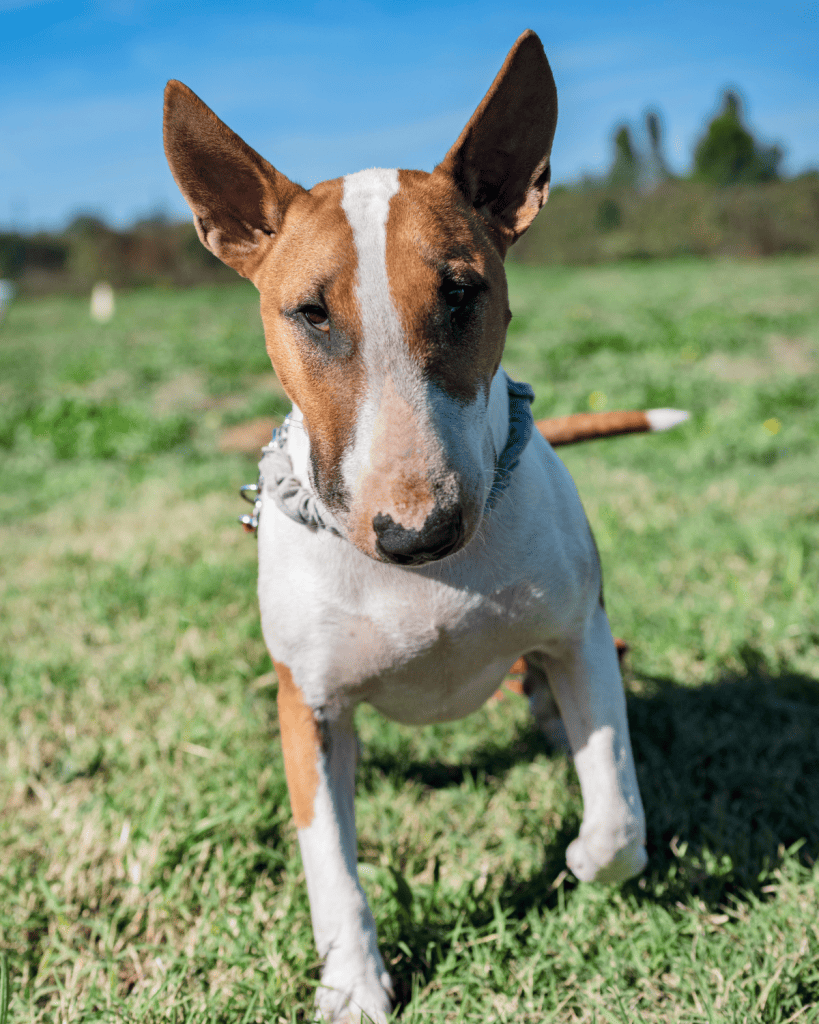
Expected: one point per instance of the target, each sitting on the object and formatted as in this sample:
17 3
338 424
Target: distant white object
102 302
7 292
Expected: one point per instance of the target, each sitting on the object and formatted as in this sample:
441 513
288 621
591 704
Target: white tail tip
665 419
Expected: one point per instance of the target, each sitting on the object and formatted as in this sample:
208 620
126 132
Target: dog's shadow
728 773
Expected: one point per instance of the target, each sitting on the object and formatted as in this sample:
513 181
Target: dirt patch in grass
247 438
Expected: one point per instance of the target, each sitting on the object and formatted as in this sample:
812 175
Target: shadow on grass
492 759
729 775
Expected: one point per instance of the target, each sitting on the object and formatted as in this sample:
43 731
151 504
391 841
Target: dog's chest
418 647
435 652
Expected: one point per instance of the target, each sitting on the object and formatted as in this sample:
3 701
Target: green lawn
148 865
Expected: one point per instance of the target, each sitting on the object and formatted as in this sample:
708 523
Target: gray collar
303 506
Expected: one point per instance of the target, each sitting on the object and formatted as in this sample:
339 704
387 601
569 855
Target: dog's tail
586 426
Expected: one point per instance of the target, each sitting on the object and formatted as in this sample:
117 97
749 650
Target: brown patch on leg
512 685
300 745
520 668
622 648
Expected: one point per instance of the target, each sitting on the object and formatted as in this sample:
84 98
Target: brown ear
238 199
501 159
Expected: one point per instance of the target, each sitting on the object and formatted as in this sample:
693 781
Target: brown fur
515 684
238 199
434 235
446 228
296 247
314 261
586 426
301 745
521 109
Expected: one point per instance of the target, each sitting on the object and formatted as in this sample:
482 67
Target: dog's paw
592 858
342 1000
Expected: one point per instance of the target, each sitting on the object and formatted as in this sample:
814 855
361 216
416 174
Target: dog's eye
455 297
316 316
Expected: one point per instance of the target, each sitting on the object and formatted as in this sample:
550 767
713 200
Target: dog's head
384 301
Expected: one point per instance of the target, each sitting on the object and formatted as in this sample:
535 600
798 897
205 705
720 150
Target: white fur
366 202
665 419
354 976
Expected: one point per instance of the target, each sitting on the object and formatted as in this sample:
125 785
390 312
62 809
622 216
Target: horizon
321 93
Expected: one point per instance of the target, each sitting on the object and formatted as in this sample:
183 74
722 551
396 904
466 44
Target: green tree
728 154
626 167
657 168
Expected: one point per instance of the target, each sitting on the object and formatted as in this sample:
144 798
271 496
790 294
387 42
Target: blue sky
325 88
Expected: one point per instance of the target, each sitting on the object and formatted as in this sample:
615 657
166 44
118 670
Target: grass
148 869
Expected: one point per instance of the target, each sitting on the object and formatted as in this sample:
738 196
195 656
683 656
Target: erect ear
238 199
501 159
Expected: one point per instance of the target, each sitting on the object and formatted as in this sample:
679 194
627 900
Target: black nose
440 535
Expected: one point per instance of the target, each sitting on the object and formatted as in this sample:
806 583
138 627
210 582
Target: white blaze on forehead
366 202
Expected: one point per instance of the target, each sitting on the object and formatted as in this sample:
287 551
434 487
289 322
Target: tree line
734 201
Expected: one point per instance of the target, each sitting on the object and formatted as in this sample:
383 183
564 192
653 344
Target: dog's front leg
588 690
319 760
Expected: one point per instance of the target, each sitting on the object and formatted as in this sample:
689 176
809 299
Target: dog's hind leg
542 703
587 688
320 758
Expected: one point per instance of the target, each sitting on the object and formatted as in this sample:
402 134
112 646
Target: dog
416 536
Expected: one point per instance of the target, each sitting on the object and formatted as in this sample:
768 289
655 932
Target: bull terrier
416 536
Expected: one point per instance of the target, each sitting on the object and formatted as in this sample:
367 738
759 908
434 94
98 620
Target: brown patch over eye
317 317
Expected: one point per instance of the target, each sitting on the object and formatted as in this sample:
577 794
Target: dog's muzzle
442 533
